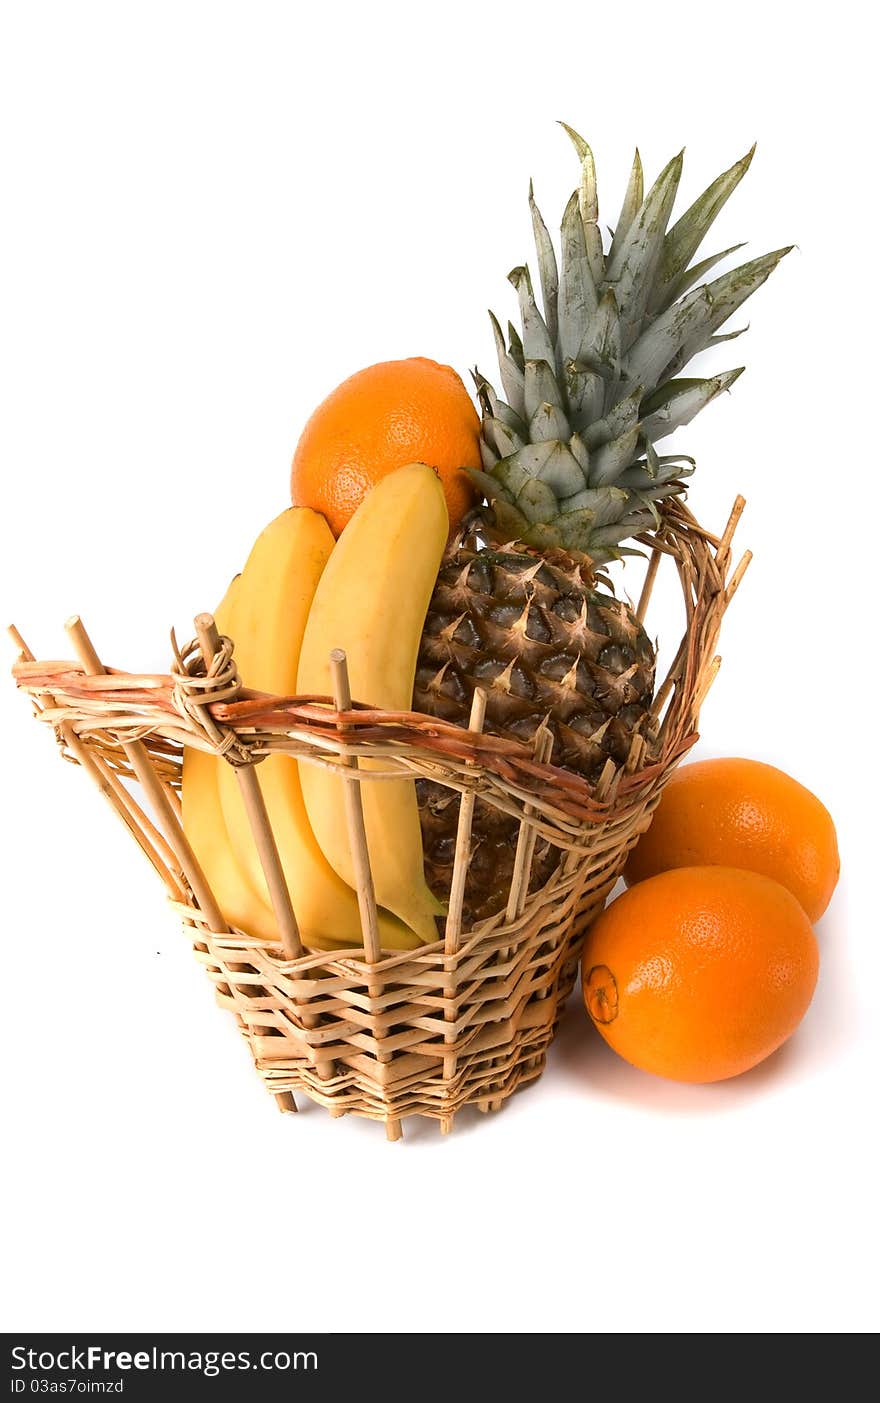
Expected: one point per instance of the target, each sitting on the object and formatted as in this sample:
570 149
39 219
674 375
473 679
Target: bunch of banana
299 596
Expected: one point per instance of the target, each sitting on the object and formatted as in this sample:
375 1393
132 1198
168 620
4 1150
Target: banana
267 623
205 827
372 600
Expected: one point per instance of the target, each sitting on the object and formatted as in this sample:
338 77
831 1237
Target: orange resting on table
700 973
742 813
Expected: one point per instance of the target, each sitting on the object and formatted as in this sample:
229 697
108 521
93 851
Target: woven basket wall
470 1018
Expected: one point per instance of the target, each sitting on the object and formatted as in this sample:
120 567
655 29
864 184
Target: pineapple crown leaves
592 381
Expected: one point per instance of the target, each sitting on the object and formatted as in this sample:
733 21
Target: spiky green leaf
547 270
609 461
617 421
578 298
551 463
495 408
632 269
677 402
727 336
685 237
601 343
536 343
588 201
726 294
605 504
488 486
537 501
548 424
581 454
488 456
607 538
515 346
572 531
512 377
632 201
687 326
502 438
510 524
511 474
573 385
642 478
585 392
577 142
691 276
542 387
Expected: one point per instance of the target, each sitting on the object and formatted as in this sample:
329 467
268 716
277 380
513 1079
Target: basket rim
216 714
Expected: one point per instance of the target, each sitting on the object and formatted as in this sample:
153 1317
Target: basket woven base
416 1034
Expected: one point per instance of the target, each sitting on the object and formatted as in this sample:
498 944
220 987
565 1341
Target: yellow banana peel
267 623
371 600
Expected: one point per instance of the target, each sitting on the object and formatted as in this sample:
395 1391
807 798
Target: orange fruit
382 418
700 973
742 813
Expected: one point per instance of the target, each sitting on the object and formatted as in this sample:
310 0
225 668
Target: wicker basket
470 1018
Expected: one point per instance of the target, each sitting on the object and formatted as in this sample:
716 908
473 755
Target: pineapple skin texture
547 646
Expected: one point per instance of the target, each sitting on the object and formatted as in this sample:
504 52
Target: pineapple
570 472
547 646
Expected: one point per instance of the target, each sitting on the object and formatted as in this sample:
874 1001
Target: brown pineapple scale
547 646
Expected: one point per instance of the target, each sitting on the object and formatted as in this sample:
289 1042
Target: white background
212 214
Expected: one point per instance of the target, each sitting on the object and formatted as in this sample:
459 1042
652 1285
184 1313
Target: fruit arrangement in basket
392 780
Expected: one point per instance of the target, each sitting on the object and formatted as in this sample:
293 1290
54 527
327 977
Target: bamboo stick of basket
648 584
357 837
542 745
169 817
354 815
123 804
460 864
527 836
257 815
463 839
264 839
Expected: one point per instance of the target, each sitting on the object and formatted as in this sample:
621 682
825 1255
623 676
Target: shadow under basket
388 1035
